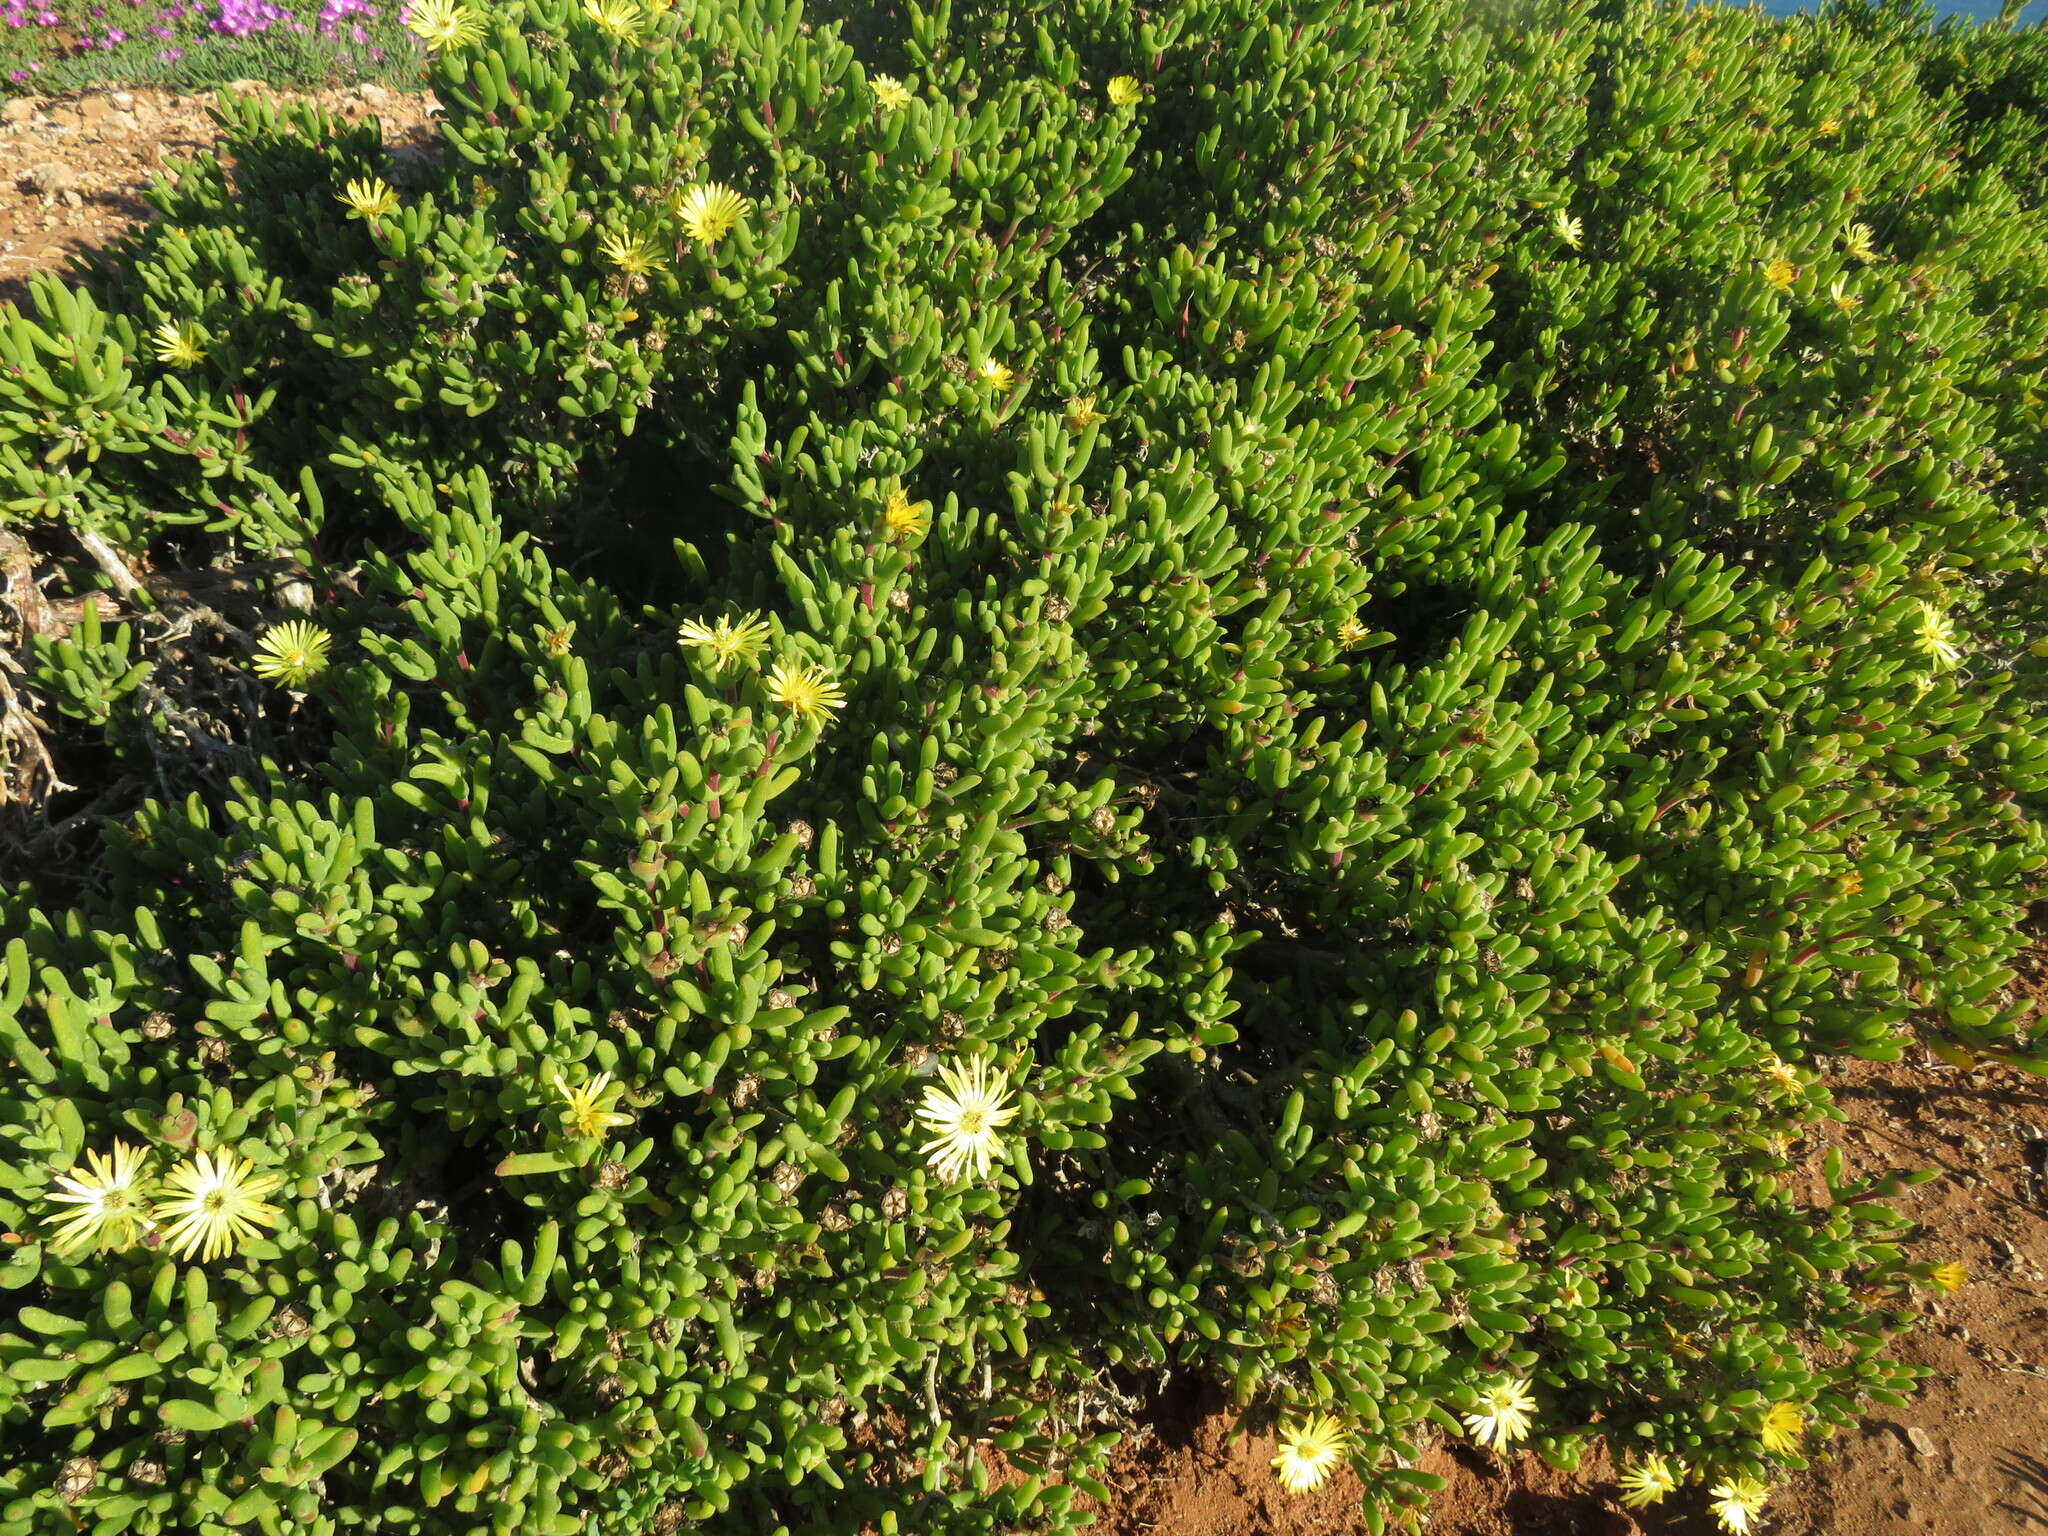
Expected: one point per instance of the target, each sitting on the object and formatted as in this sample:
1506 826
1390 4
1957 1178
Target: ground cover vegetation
872 719
63 45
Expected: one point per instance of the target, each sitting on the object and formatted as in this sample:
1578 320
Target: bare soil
1968 1456
72 168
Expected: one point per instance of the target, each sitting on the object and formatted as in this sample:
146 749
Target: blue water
1978 10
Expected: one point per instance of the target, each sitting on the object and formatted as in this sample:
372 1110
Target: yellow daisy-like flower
620 19
806 690
709 212
179 344
994 374
108 1198
1351 632
587 1108
1840 296
903 518
1828 127
1310 1450
634 255
1949 1278
1738 1502
1647 1482
368 200
1938 636
1122 90
965 1113
1505 1412
444 24
1081 413
1567 229
1780 1431
213 1203
292 653
728 640
1781 1074
1856 243
891 95
1780 273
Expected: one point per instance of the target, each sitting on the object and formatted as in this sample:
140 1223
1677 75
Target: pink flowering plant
57 45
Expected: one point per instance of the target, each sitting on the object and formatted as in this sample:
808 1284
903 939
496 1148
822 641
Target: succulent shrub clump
862 721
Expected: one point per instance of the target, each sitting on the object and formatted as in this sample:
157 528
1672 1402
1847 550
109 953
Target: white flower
965 1113
1505 1409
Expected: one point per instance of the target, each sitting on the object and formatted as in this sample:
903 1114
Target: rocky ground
72 169
1967 1457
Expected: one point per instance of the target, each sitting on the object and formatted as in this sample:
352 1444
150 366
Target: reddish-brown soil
1968 1456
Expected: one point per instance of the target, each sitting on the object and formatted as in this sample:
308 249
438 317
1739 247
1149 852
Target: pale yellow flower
1937 636
1842 298
368 200
1123 90
1780 1431
180 345
1780 273
1647 1482
1782 1074
634 255
1949 1278
213 1204
1856 243
292 653
1310 1450
903 518
1504 1415
1828 127
728 641
965 1114
1738 1502
1351 632
994 374
709 211
620 19
1081 413
587 1108
108 1199
891 95
1567 229
809 691
444 24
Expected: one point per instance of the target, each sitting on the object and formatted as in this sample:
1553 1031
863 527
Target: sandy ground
72 169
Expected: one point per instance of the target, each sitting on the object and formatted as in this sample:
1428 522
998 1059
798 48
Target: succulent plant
879 710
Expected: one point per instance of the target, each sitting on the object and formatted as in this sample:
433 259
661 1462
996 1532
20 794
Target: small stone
71 199
49 178
1923 1443
245 87
122 98
371 94
20 109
